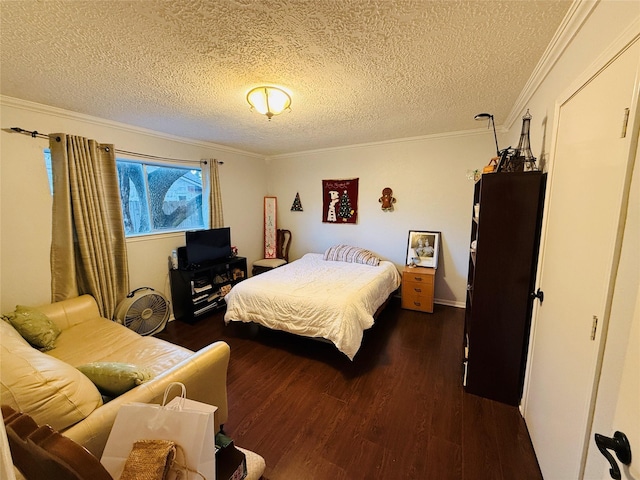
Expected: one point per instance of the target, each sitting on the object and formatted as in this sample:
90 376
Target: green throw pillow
115 378
35 327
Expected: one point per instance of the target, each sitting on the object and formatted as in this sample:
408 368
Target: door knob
619 444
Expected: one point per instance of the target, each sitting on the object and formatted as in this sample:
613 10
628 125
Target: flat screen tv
206 246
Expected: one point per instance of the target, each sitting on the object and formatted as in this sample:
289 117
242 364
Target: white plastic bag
191 429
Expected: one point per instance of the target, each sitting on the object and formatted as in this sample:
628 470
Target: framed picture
340 201
423 248
270 227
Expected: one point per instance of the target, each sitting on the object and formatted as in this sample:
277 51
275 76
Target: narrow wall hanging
270 227
340 201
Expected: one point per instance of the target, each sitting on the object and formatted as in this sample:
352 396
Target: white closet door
618 404
580 250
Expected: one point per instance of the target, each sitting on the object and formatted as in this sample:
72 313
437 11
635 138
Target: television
206 246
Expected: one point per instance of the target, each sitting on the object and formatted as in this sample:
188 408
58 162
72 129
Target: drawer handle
419 290
417 304
417 279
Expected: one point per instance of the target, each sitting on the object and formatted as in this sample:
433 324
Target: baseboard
449 303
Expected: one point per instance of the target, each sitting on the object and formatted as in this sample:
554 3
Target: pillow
346 253
34 326
114 378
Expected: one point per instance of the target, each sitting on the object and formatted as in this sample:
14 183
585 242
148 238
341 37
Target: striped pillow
346 253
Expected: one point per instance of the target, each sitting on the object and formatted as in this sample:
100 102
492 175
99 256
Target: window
47 164
156 198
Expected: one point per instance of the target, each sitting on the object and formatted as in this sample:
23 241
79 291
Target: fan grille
147 314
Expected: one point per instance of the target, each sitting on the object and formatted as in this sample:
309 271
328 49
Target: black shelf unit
195 292
505 239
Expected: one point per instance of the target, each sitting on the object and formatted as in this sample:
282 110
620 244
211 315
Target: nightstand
417 288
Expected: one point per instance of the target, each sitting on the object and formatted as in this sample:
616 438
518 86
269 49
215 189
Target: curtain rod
36 134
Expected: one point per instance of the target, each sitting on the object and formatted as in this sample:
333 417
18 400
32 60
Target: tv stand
197 290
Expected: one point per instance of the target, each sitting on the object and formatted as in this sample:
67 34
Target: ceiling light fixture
488 116
269 101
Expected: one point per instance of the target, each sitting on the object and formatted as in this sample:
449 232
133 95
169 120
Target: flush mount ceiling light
269 101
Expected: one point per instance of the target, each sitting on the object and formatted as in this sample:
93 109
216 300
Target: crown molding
624 41
575 18
433 136
67 114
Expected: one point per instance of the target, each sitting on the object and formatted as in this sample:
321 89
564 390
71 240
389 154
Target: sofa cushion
34 326
115 378
101 340
50 390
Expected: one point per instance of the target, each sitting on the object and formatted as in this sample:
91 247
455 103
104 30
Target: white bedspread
315 298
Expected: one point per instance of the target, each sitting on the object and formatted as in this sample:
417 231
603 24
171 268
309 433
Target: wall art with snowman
340 201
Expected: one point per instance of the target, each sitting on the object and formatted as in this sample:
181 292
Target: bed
326 299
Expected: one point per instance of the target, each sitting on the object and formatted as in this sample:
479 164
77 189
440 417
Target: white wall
25 200
428 177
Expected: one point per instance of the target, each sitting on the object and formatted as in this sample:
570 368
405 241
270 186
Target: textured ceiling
358 71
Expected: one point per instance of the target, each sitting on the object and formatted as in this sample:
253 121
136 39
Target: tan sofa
49 387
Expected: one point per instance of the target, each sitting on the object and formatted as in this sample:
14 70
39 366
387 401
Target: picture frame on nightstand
423 248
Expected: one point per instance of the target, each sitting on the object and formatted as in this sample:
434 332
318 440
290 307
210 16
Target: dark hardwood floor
398 411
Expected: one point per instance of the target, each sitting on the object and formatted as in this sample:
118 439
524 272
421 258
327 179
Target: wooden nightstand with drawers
417 288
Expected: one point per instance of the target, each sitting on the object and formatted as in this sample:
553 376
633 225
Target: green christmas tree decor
345 211
297 205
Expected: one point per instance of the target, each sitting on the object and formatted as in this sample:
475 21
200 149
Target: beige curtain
212 191
88 250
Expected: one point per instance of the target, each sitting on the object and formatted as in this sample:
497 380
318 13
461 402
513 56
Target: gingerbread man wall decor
387 200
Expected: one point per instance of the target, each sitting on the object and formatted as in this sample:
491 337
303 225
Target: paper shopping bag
191 430
188 404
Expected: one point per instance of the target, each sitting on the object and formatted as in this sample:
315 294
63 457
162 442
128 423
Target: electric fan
144 311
